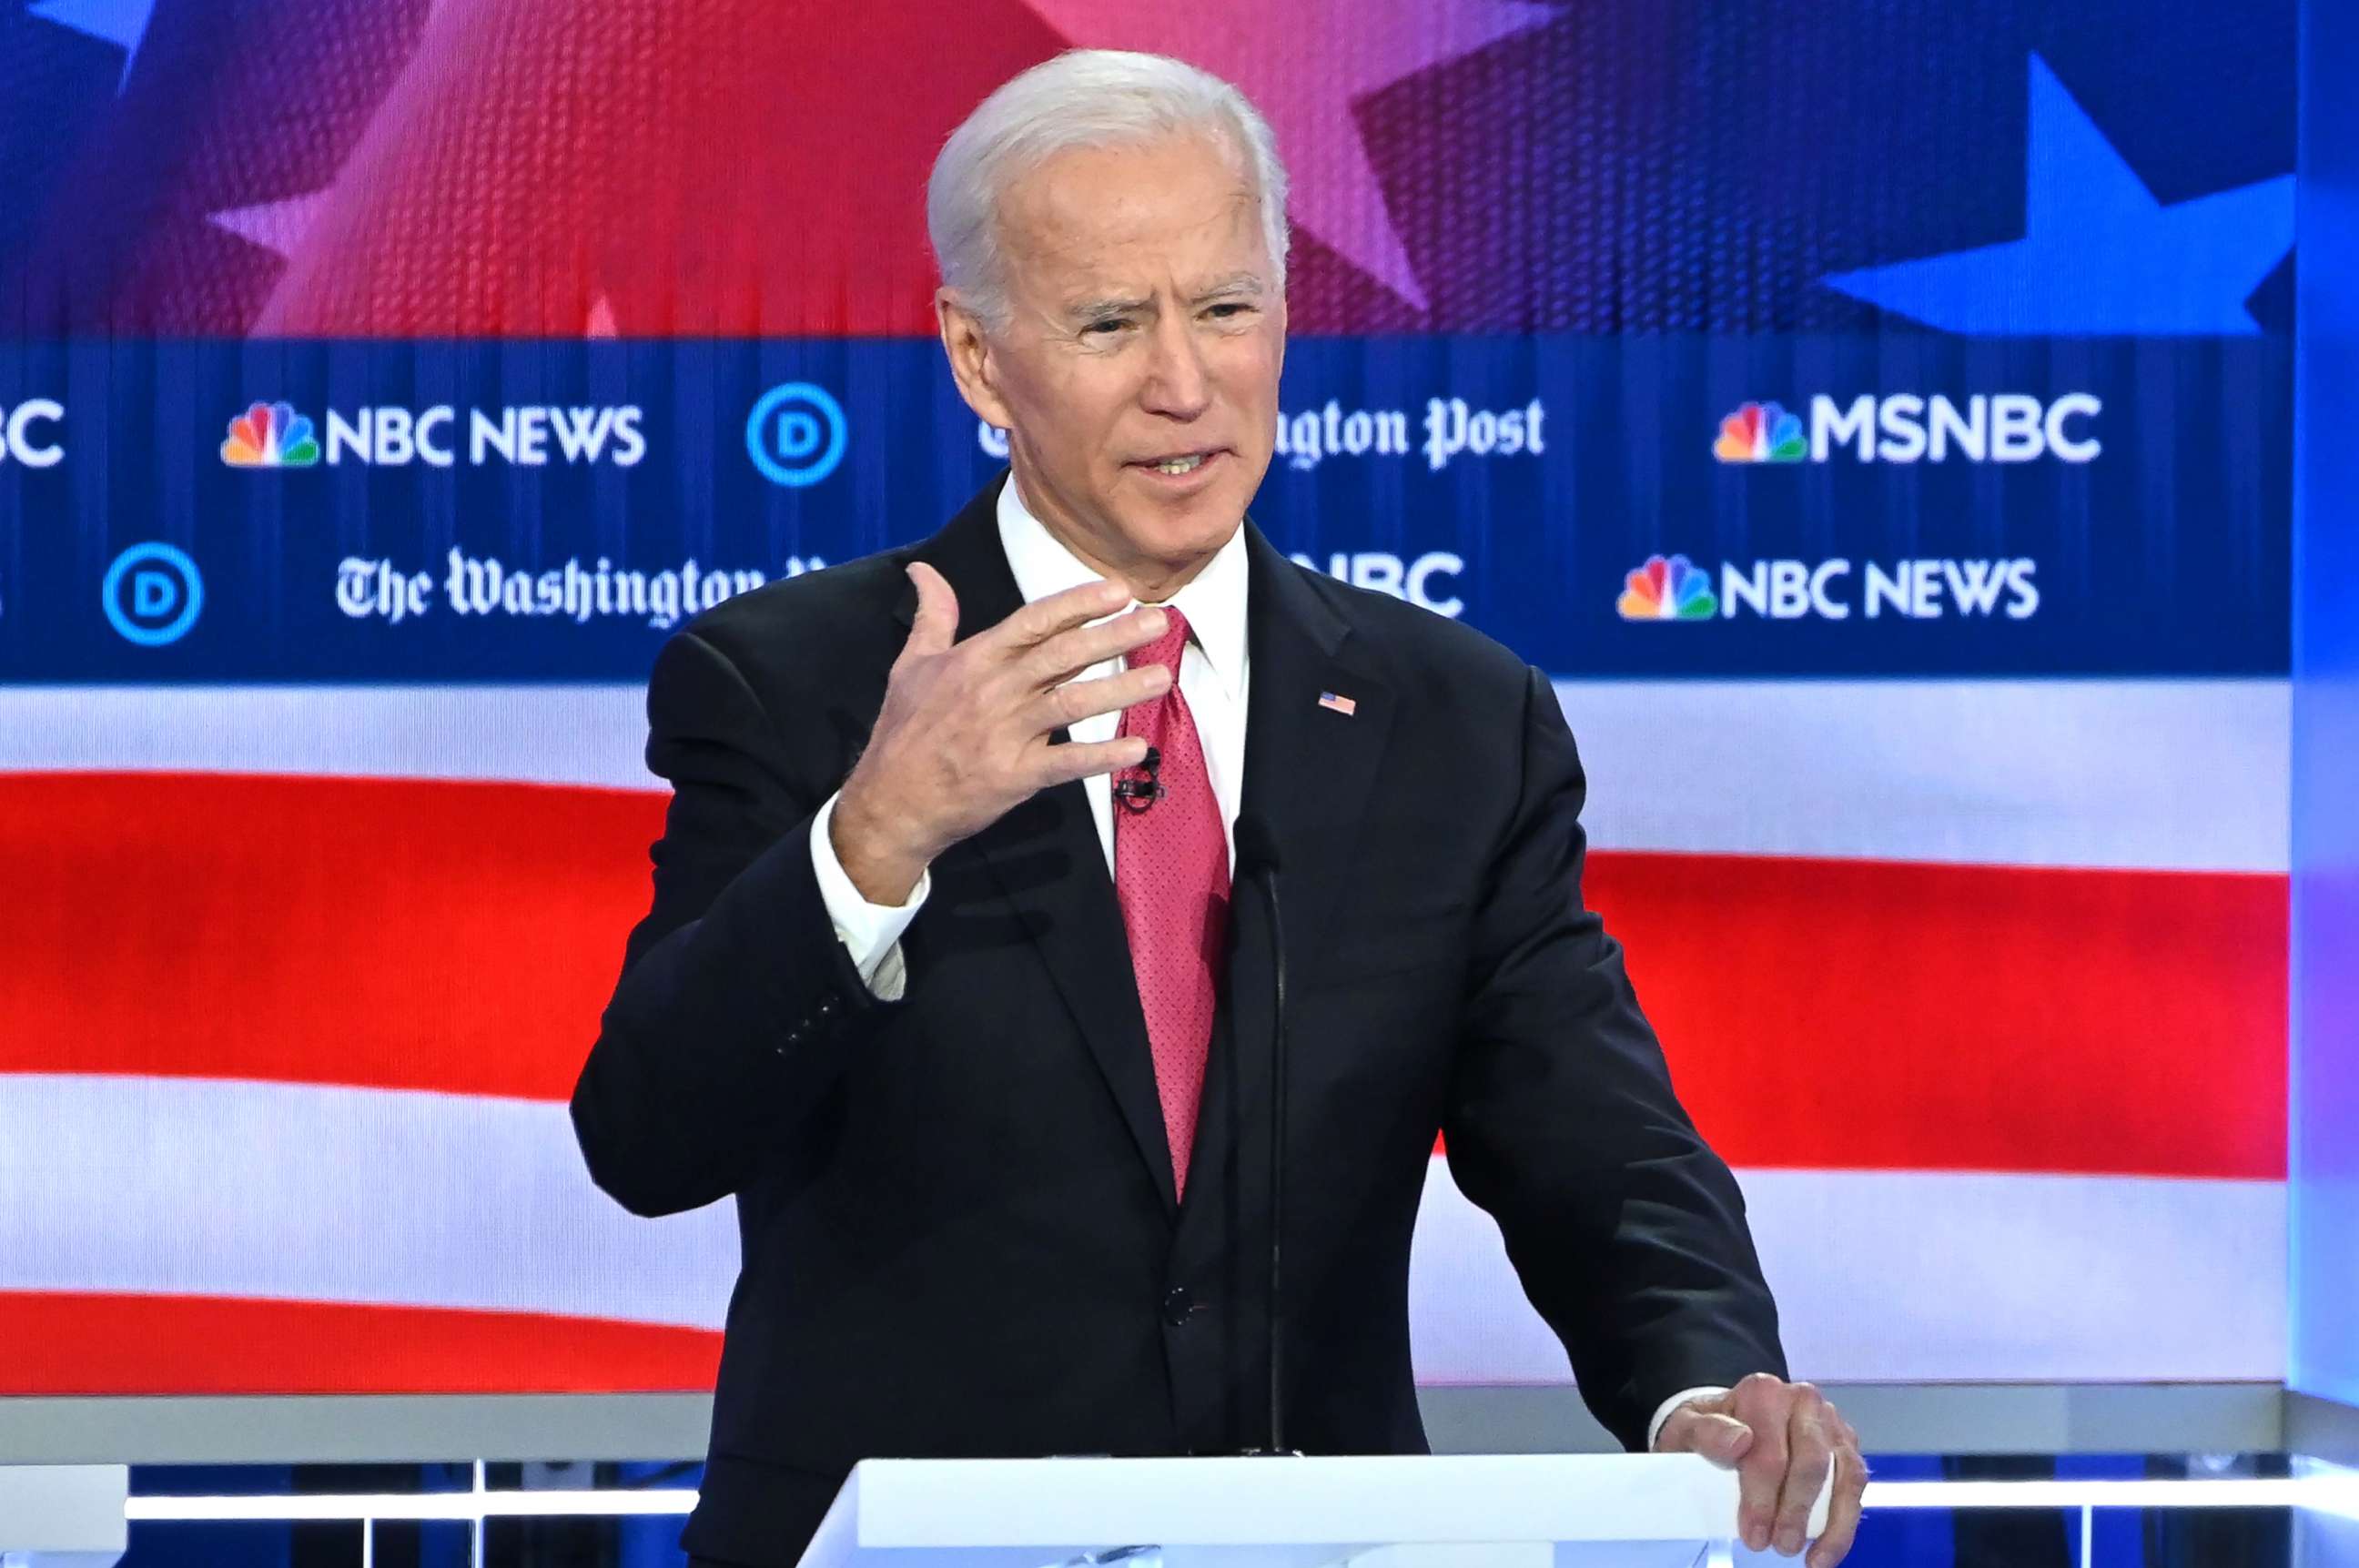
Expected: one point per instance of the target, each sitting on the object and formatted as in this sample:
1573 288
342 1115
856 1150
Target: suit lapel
1049 866
1309 764
1308 770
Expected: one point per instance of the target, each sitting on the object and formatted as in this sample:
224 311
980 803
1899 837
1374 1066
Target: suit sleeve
737 1004
1628 1232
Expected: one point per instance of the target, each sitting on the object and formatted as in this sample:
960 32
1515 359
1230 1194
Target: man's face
1145 326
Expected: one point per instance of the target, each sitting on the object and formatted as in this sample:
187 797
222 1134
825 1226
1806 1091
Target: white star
279 226
283 225
1303 63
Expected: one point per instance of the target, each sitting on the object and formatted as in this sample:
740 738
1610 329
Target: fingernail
1757 1536
1790 1544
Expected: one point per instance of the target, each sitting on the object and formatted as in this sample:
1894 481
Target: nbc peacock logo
1761 433
270 435
1668 588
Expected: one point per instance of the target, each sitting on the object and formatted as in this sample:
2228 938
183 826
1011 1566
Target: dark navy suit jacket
960 1233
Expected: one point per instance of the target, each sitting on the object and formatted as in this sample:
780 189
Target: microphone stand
1277 1077
1255 844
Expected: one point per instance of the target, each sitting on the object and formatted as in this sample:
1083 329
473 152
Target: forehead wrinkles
1056 231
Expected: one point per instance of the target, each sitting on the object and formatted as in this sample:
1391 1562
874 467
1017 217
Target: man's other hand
1783 1439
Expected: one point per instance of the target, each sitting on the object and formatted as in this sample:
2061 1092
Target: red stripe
391 934
197 1344
463 937
1862 1014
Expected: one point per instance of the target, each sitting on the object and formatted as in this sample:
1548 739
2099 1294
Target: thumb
1724 1439
936 624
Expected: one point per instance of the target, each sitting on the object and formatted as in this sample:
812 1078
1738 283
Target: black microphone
1133 793
1258 861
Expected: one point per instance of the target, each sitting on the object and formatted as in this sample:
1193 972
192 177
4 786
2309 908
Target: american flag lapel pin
1339 702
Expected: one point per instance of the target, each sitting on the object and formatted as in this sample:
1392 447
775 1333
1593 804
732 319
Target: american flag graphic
1979 983
298 980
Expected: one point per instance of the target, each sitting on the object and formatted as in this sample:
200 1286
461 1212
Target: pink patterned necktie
1172 872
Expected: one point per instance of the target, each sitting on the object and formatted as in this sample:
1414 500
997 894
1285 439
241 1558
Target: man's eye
1104 329
1232 308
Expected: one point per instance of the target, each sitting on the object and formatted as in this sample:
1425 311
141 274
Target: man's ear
969 350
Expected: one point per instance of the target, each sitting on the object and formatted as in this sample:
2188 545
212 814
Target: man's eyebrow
1235 283
1245 283
1095 310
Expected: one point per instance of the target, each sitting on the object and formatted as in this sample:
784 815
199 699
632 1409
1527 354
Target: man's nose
1177 385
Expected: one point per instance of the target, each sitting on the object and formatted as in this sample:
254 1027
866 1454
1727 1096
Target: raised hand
963 735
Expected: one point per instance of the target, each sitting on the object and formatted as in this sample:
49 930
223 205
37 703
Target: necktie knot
1166 649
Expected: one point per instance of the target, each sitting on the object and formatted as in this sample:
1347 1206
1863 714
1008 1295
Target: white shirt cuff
870 932
1663 1411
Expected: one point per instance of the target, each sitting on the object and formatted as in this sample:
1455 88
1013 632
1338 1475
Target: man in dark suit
946 985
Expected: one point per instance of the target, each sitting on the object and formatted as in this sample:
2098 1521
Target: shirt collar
1213 600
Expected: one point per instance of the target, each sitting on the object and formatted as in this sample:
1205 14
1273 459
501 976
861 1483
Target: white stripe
304 1193
2153 774
2187 775
312 1192
1904 1276
592 735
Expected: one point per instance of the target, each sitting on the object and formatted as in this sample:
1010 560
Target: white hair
1082 98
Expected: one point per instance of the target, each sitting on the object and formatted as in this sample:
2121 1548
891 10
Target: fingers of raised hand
1080 759
935 627
1068 652
1078 700
1044 618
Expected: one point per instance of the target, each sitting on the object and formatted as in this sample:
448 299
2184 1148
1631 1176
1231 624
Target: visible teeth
1180 465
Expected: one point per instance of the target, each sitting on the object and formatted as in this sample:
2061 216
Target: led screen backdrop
1876 415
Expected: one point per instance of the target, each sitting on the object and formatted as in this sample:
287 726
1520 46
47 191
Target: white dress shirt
1215 673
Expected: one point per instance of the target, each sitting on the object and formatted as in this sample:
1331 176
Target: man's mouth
1179 463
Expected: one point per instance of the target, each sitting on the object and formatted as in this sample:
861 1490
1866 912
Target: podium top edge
1620 1465
1286 1501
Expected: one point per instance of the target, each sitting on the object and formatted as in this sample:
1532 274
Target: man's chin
1175 531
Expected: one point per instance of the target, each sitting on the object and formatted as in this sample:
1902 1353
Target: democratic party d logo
270 435
1761 433
1669 589
153 594
796 434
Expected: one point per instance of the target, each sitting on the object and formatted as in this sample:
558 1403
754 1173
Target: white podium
63 1516
1619 1511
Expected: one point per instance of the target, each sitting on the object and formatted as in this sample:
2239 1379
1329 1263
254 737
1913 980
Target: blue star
123 23
2099 254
